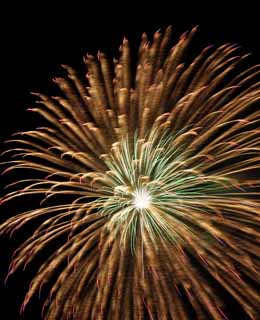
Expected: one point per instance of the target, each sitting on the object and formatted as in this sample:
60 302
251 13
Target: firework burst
160 166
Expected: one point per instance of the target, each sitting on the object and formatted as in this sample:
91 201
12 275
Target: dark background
37 39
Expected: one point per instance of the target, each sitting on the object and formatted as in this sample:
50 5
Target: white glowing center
142 199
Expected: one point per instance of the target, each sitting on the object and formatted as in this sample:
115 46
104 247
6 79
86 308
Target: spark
142 199
150 177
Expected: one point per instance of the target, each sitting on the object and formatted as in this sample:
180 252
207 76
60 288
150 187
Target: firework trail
154 172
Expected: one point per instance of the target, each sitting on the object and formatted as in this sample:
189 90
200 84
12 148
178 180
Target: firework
153 176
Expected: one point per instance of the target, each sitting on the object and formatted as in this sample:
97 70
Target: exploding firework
154 172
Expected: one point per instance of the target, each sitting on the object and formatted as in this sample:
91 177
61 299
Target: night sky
37 39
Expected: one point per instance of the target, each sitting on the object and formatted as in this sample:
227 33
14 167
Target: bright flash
142 199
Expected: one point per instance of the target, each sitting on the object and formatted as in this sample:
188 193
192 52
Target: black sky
37 38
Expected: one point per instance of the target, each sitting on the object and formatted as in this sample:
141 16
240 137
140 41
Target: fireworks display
149 186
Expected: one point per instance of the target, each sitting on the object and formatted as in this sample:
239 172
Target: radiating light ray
156 172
